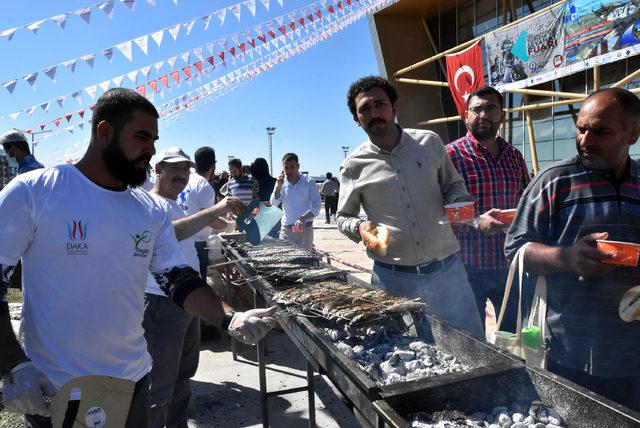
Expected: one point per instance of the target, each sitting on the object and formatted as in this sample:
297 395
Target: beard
122 168
486 130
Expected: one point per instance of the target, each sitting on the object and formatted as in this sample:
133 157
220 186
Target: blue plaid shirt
28 163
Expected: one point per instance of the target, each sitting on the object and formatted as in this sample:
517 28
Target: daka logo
138 240
77 233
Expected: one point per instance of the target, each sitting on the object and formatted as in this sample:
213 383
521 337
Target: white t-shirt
86 254
187 246
198 195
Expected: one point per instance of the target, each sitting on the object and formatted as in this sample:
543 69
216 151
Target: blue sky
304 97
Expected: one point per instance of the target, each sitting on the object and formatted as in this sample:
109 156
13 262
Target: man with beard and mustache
172 334
402 178
88 238
496 175
566 208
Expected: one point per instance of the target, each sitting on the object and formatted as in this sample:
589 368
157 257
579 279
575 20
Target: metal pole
345 150
33 136
270 131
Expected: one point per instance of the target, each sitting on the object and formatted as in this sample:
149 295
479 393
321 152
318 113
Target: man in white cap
15 145
88 239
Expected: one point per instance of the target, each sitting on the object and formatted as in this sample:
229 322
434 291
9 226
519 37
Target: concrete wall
400 42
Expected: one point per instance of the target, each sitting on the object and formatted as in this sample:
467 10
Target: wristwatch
226 320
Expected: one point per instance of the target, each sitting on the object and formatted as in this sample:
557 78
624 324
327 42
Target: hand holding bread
375 238
629 309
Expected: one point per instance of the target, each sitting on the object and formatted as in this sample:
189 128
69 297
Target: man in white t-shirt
87 239
173 335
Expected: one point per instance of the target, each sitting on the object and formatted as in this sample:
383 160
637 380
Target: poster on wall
599 32
528 53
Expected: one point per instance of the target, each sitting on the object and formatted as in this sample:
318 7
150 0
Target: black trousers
330 206
138 409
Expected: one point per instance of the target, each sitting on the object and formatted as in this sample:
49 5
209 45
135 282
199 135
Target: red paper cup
505 216
625 253
295 229
460 211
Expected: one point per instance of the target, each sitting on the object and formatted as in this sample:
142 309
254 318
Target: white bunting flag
265 3
185 57
31 109
251 5
118 80
92 91
279 2
131 4
133 76
107 8
105 85
35 26
60 100
14 116
8 34
221 14
172 61
158 65
142 43
188 26
125 49
107 53
84 13
81 125
207 20
89 59
61 20
210 48
152 2
71 65
69 129
145 71
174 31
31 79
198 53
45 106
235 9
157 37
51 72
77 96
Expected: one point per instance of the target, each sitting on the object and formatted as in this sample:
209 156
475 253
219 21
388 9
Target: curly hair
366 84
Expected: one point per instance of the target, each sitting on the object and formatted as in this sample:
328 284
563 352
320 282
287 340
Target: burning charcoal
535 408
346 349
504 420
418 346
517 417
519 425
358 349
412 365
373 371
405 355
529 420
554 417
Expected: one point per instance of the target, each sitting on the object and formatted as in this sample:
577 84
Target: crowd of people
131 262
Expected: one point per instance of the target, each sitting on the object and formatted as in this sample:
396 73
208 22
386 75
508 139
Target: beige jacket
405 189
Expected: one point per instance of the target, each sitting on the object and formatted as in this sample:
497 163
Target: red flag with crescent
465 74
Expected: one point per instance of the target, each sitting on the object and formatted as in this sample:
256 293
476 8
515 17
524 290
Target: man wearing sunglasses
496 174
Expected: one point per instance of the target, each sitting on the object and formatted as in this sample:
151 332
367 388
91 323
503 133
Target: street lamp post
345 149
33 135
270 131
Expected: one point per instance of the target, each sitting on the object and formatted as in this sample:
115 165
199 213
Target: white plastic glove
253 325
25 389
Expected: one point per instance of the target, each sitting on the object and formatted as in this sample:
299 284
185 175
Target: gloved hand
253 325
24 389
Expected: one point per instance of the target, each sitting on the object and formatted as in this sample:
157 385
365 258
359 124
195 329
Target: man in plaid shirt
495 174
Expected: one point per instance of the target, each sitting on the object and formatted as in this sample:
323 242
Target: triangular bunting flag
251 5
172 61
280 2
84 13
31 109
165 80
69 129
42 126
60 100
45 106
283 30
221 56
262 38
125 49
207 20
77 95
188 26
35 26
185 57
145 71
133 76
242 47
198 53
158 65
8 34
152 2
265 3
57 121
187 70
71 64
61 20
105 85
176 76
154 85
92 91
31 79
68 117
221 13
51 72
118 80
142 90
130 4
210 60
210 48
198 66
107 53
81 125
81 113
89 59
107 8
14 116
142 43
232 50
157 37
174 31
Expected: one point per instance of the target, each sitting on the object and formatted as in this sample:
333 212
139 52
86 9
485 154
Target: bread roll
377 239
629 309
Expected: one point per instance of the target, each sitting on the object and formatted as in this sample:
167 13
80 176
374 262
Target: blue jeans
445 291
173 341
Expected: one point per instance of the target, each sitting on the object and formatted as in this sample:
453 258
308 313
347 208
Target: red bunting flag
198 66
176 76
301 21
252 42
42 125
232 50
310 17
142 90
154 85
272 34
283 30
210 60
57 121
292 25
68 117
465 74
93 107
81 113
221 56
165 80
187 70
318 13
262 38
29 131
331 9
339 4
242 47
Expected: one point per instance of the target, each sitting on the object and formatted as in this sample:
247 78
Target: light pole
345 149
33 134
270 131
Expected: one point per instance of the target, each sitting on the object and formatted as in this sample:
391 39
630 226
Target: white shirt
187 246
198 195
86 253
297 199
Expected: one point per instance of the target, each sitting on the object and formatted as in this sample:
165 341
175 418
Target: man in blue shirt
14 143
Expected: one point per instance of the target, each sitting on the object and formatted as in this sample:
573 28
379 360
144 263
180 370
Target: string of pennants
218 87
126 47
219 53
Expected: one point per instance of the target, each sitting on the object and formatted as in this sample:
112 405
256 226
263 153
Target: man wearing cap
402 178
172 334
88 239
14 143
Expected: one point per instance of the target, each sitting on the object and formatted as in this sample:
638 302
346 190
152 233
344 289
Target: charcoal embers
537 416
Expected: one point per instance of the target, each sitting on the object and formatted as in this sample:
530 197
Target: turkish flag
465 74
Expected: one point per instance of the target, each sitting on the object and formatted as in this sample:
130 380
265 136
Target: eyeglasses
479 109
